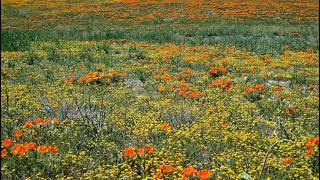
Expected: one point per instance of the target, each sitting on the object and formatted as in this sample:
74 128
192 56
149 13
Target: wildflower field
171 89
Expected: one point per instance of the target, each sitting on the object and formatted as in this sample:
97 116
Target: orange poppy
53 149
309 152
28 123
167 169
166 76
287 160
188 171
166 126
82 78
216 70
18 149
46 121
140 150
4 153
249 90
7 142
30 145
149 149
259 87
158 175
213 70
162 88
15 149
43 149
223 69
195 94
18 134
171 88
37 121
310 145
129 152
22 150
204 174
26 145
183 81
312 139
55 120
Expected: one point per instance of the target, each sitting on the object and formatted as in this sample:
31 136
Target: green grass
259 38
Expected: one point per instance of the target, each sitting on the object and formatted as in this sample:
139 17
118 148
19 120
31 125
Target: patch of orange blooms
204 174
158 175
166 126
310 144
18 134
93 76
187 171
287 160
161 88
39 121
224 84
167 169
259 87
22 148
141 151
217 71
7 142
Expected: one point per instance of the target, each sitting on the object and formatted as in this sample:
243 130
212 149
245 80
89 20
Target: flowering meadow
130 89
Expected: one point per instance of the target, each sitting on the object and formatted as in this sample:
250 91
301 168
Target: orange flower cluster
18 134
218 71
93 76
194 94
45 148
4 153
166 76
183 87
161 88
166 126
187 171
310 144
287 160
291 110
147 149
39 121
224 84
7 142
141 151
21 149
158 175
204 174
259 87
69 80
167 169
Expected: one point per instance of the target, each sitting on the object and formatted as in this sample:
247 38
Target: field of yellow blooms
130 89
